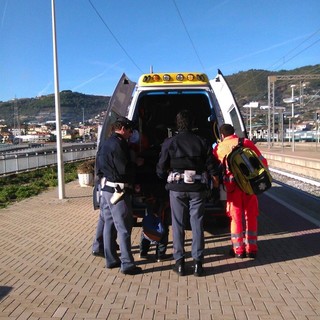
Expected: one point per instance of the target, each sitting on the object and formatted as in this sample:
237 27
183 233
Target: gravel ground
309 188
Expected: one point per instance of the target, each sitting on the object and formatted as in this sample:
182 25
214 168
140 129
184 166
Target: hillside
247 86
74 106
252 85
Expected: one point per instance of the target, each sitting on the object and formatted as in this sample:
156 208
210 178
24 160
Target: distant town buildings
46 132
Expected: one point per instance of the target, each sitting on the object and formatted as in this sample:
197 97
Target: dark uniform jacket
113 161
186 151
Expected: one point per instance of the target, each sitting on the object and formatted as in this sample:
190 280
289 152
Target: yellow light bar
165 79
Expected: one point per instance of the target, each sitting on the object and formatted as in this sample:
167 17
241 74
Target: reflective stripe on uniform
236 235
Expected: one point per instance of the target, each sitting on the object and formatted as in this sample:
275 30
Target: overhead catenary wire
296 47
114 37
287 60
188 34
284 59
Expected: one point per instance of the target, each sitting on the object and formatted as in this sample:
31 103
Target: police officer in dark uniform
185 161
117 171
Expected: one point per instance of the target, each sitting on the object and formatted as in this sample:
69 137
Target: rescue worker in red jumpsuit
238 202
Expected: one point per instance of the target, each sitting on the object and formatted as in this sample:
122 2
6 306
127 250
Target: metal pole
61 186
292 115
282 131
269 106
250 135
318 133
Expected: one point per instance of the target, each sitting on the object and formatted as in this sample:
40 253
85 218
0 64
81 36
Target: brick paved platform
47 270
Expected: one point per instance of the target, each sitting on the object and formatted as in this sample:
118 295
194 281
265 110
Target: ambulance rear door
228 104
118 105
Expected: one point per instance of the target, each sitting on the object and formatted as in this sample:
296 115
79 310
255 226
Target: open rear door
228 104
118 106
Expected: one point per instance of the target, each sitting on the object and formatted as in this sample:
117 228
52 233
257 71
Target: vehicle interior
159 108
155 117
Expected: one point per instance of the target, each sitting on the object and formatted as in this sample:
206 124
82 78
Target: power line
114 37
301 51
185 28
300 44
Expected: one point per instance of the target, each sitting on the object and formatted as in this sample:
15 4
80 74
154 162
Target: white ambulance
153 103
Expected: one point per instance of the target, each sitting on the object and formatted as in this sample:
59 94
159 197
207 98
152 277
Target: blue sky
98 40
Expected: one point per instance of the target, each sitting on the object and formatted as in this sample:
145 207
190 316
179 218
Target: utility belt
120 185
119 189
188 176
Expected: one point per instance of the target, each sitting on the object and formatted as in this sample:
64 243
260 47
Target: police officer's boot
198 269
179 267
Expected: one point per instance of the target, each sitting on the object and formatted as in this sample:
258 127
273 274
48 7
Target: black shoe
237 255
231 253
251 255
144 255
114 265
179 267
98 253
164 257
132 271
198 269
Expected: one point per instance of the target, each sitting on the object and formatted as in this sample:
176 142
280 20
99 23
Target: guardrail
34 158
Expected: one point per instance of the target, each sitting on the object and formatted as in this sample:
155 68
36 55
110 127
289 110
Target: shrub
27 184
86 167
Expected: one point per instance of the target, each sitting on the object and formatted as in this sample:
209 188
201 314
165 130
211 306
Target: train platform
304 150
47 270
303 160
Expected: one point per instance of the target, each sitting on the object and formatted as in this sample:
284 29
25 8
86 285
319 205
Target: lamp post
280 123
292 101
251 105
267 123
292 114
60 165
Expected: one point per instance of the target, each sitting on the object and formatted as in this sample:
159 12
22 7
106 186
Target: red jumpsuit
240 204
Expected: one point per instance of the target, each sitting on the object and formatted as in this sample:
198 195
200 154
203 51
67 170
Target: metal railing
16 161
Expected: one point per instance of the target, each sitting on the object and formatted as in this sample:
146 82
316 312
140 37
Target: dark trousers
187 204
118 223
97 245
